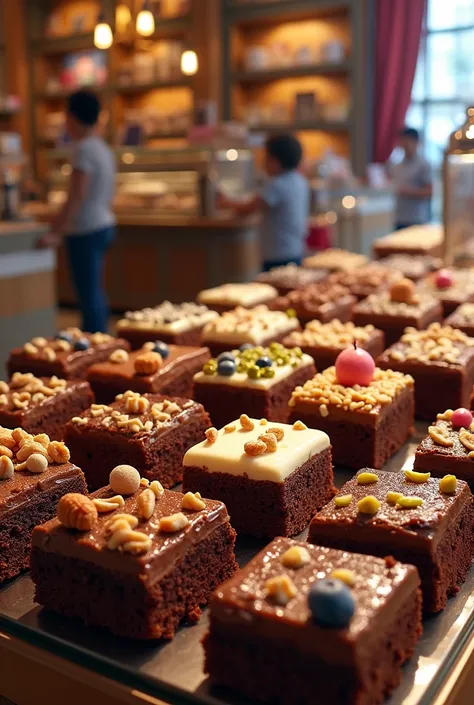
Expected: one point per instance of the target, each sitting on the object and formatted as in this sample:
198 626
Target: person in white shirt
413 183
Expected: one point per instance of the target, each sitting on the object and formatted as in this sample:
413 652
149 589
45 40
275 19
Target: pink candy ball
355 366
461 418
444 279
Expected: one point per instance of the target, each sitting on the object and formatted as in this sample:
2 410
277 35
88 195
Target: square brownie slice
257 326
257 381
272 477
42 405
157 368
415 240
463 318
229 296
69 355
34 474
325 341
290 277
414 267
268 639
150 432
452 287
324 302
179 324
441 361
364 423
140 568
364 281
410 517
335 260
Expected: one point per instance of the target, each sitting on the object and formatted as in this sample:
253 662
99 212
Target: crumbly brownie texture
258 326
67 356
272 485
291 277
414 267
172 375
463 318
451 297
335 260
324 341
42 405
257 391
180 324
323 302
441 360
150 432
363 423
29 497
139 582
228 296
366 280
274 652
436 536
416 240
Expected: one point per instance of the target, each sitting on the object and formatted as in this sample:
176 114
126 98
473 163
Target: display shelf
49 46
65 93
133 88
275 74
301 126
247 13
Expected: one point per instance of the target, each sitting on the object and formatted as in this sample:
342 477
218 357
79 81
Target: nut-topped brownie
324 341
449 446
180 324
157 368
254 380
42 405
290 277
368 417
463 318
414 267
134 558
272 477
415 240
152 432
258 326
452 287
367 280
335 260
69 355
301 620
401 307
415 518
323 302
229 296
35 473
441 360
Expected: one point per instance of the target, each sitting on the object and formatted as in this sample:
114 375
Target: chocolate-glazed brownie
42 405
436 537
323 302
290 277
367 280
463 318
275 650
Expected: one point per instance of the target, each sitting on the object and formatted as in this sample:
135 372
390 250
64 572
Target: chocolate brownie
180 324
33 477
272 477
169 371
364 423
414 267
290 277
42 405
272 637
257 381
441 360
139 583
229 296
324 341
151 432
416 240
335 260
415 521
323 302
393 311
461 291
363 281
258 326
69 355
463 318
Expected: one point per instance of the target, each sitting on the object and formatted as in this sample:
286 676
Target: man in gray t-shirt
412 180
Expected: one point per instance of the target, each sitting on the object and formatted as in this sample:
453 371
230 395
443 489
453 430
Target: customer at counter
413 183
86 220
284 203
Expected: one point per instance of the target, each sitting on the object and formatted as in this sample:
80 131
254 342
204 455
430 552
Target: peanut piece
6 451
7 469
439 437
193 502
28 449
418 477
345 575
109 504
173 523
368 505
255 448
299 426
146 504
148 363
409 502
343 500
281 589
246 423
448 484
367 478
270 441
278 432
393 497
76 511
211 435
118 356
296 557
58 452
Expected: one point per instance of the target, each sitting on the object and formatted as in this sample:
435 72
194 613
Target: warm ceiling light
189 63
103 37
145 21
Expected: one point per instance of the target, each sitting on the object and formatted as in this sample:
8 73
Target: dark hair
85 107
286 149
411 133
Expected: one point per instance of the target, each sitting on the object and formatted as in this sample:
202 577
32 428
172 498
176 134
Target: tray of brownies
264 496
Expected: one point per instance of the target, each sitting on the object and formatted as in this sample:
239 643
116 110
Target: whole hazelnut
148 363
402 291
125 479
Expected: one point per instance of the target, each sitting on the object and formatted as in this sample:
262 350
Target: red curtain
399 27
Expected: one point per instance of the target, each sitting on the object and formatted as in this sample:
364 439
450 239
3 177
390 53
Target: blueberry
264 362
62 335
246 346
82 344
331 603
226 368
226 356
162 348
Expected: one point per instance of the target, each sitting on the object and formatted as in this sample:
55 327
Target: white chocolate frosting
167 318
241 379
227 454
250 294
335 259
254 326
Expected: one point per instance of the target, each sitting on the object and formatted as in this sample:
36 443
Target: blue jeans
86 255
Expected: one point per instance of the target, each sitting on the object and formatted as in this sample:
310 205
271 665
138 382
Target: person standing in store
86 221
413 183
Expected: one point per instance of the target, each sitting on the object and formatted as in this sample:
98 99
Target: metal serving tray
173 671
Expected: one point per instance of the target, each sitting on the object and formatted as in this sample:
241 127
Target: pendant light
103 37
145 21
189 62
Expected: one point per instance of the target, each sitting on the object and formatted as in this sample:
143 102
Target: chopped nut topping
446 416
137 405
330 335
6 451
436 343
157 488
393 497
99 409
281 589
211 435
6 438
39 342
343 500
255 448
109 505
193 502
368 505
148 363
146 504
263 422
418 477
58 452
448 484
440 436
30 349
409 502
79 421
296 557
344 575
467 439
127 540
230 428
76 511
28 449
120 521
118 356
246 423
278 432
49 354
367 478
270 441
299 426
173 523
6 468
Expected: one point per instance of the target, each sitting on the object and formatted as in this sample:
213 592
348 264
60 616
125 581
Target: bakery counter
27 285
